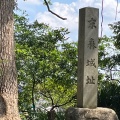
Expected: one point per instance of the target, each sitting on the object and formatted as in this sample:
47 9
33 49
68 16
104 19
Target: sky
70 10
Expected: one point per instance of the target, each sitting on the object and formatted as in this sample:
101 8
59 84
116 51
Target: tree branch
72 98
50 97
33 88
53 12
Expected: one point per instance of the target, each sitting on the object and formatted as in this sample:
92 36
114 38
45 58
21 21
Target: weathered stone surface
90 114
88 58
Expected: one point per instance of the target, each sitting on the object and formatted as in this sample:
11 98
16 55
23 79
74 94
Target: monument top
89 8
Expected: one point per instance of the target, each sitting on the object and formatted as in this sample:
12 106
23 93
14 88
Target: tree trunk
8 78
51 115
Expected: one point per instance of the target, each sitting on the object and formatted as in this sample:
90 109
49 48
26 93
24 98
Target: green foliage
47 67
109 71
43 116
116 30
108 58
109 95
109 75
47 70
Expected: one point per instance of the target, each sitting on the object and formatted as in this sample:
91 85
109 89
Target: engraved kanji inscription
91 63
92 23
91 44
90 80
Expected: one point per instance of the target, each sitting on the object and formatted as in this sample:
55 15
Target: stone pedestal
91 114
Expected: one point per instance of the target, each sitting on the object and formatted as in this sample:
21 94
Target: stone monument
88 70
88 58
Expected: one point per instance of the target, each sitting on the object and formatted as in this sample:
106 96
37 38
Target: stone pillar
88 58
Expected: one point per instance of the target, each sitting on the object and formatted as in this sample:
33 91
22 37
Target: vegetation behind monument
47 70
46 66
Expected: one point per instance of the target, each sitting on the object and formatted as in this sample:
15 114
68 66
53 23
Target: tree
108 55
109 73
115 27
46 65
8 76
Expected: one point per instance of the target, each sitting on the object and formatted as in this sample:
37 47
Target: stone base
90 114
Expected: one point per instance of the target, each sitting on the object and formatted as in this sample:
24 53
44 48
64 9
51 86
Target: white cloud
70 11
109 13
64 10
36 2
